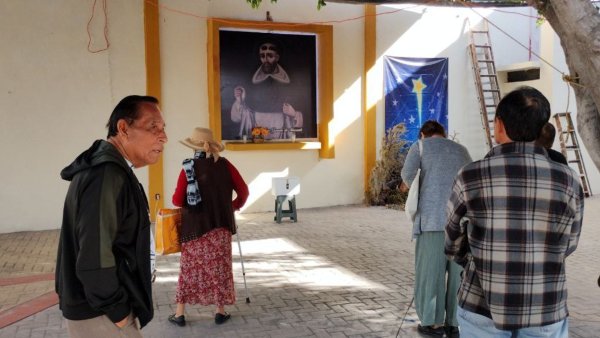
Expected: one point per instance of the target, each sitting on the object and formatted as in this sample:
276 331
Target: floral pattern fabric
206 276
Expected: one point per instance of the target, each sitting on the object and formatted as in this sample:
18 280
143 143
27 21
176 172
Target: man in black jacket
546 139
103 263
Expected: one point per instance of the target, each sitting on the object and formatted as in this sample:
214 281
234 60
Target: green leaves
256 3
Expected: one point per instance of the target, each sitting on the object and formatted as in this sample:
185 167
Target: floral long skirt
206 276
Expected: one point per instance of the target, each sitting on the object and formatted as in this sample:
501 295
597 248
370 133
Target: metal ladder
570 147
486 79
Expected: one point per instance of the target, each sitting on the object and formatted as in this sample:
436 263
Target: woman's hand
403 187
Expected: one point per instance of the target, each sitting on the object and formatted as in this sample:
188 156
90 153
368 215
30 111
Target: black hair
432 127
271 38
127 109
524 111
546 138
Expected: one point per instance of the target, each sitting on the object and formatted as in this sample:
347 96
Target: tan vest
215 210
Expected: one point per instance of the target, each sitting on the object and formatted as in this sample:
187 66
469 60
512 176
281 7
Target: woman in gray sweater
435 294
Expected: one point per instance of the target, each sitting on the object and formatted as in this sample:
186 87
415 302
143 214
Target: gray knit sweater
441 160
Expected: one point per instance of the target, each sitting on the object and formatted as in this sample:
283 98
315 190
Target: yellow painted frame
153 88
324 35
370 119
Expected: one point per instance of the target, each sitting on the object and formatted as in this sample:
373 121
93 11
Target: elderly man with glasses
103 276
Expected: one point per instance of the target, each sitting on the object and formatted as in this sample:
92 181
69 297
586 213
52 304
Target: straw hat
199 137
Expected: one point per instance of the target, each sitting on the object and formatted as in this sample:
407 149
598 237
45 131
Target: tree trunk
577 24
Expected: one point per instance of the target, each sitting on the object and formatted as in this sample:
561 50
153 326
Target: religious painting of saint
268 79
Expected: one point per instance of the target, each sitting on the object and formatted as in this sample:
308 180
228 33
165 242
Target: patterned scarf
193 192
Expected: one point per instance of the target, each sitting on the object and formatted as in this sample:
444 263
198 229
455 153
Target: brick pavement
338 272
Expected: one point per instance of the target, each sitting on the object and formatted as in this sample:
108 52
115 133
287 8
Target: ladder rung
491 90
479 31
488 61
565 118
487 75
483 46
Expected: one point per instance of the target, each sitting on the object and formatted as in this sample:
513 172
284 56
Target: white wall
415 32
561 96
55 96
324 182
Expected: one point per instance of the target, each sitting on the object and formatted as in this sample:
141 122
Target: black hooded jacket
103 262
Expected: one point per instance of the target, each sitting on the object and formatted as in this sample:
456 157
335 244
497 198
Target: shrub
385 176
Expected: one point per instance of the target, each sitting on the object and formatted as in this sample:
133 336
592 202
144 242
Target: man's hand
239 93
121 324
289 110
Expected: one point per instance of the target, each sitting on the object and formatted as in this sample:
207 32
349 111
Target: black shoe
179 321
452 331
430 331
222 318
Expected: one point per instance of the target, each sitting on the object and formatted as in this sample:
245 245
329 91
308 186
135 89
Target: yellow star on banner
418 86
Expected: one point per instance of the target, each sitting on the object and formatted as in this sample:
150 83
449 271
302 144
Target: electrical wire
565 77
174 10
105 10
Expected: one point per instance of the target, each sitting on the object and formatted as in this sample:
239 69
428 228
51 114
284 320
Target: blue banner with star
416 90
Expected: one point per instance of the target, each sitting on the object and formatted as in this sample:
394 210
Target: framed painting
270 76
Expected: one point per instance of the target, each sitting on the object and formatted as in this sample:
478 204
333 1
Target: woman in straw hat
204 191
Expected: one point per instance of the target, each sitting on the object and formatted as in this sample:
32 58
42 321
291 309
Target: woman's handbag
168 223
412 200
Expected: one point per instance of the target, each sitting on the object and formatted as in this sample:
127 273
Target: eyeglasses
153 129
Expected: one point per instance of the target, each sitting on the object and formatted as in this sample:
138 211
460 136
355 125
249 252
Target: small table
285 188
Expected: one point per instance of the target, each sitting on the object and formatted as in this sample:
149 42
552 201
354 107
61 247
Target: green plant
385 176
321 3
256 3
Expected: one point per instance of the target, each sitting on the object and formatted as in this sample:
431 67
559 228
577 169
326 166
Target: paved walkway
338 272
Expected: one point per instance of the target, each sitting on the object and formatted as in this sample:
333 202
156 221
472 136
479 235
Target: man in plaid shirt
513 218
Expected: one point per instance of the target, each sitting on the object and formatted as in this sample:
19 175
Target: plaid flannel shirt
513 218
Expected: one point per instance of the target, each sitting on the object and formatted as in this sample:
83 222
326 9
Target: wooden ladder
570 147
486 79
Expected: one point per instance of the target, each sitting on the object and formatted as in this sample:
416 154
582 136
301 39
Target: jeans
473 325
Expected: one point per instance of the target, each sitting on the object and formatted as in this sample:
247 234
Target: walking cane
402 322
152 243
237 235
